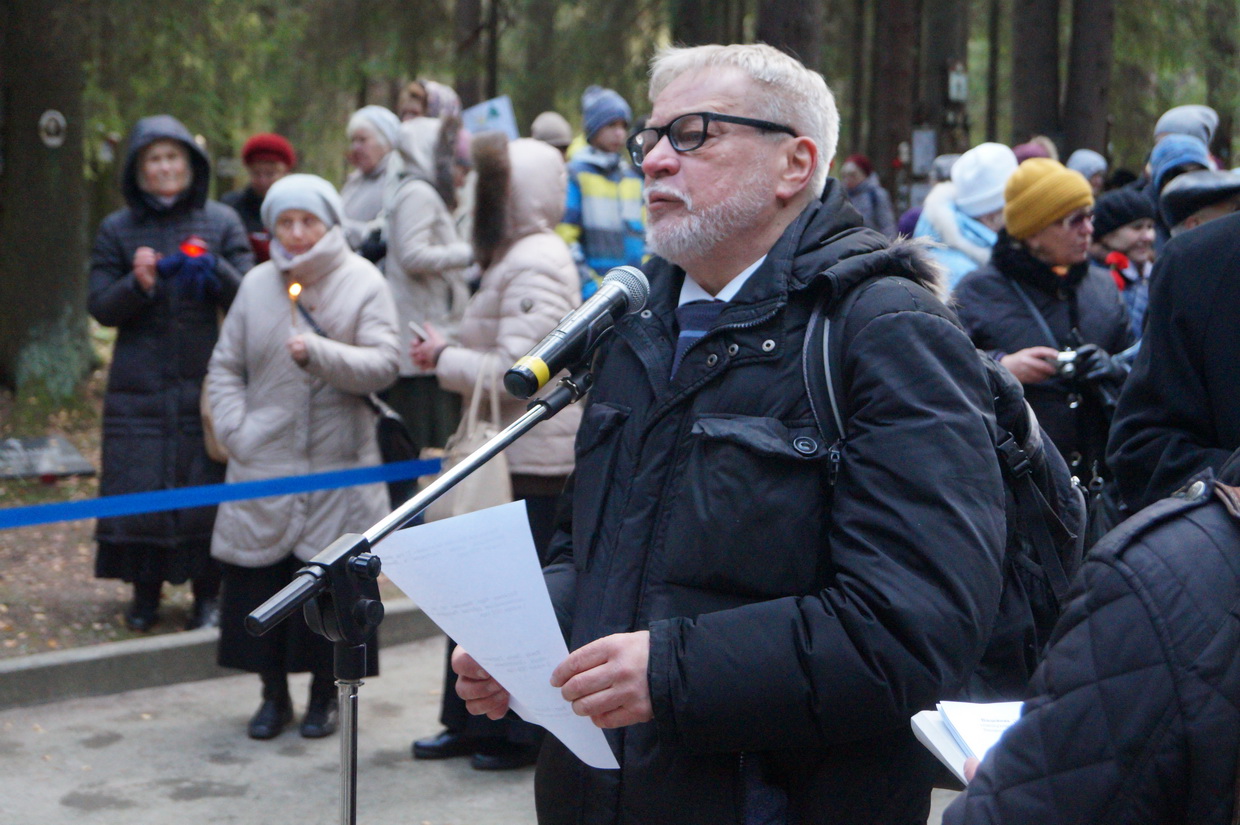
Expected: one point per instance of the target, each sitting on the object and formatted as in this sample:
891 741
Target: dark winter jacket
1080 307
248 205
1178 412
1136 715
152 427
794 627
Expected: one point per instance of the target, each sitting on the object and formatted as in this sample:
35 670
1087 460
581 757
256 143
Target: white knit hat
980 175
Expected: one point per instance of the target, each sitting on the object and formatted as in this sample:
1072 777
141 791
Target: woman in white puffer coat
287 400
528 284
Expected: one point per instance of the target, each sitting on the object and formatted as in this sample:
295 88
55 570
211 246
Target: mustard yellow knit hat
1040 192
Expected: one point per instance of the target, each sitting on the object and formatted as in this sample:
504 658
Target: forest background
943 74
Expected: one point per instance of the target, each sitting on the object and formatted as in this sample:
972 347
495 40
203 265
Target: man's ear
800 160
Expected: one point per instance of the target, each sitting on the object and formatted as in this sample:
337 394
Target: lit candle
294 289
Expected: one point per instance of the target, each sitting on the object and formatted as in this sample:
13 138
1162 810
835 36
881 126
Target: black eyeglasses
689 132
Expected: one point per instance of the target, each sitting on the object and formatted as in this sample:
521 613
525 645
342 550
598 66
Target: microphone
624 290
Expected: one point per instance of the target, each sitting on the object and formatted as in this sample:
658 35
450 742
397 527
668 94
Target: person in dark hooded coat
162 270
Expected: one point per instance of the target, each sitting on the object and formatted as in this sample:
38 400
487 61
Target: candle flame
293 291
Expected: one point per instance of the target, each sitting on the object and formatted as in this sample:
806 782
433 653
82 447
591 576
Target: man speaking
754 615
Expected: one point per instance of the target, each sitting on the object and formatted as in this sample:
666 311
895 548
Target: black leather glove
1095 365
374 248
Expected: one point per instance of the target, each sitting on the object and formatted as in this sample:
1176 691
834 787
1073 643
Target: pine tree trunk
1035 69
43 341
1222 66
893 87
468 28
1087 101
793 26
697 22
944 44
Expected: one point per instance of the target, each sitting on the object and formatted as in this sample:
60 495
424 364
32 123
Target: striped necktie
694 319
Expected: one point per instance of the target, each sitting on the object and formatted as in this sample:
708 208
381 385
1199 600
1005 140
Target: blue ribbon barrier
207 495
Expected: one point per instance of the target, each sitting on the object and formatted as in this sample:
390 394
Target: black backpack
1045 508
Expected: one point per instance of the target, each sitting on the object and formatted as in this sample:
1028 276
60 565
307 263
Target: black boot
206 589
143 612
276 711
323 710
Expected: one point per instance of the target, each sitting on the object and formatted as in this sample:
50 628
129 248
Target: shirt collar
690 290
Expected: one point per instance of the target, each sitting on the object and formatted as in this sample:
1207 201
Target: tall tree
1035 69
1087 101
541 62
793 26
695 22
1223 72
42 202
468 28
895 67
944 49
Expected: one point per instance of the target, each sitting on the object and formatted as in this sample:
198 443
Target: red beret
268 146
862 163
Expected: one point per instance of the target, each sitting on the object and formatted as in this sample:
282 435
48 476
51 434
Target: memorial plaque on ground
47 457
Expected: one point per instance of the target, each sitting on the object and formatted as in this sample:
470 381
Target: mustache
658 188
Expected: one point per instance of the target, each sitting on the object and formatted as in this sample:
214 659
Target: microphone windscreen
634 283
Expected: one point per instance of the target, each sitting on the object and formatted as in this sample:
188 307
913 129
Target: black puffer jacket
1136 715
1178 412
1000 323
152 427
794 629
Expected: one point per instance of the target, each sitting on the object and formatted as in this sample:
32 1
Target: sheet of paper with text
477 577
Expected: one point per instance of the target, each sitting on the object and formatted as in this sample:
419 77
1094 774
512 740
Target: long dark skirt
135 562
291 646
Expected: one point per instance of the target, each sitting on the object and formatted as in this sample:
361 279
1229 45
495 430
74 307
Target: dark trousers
455 717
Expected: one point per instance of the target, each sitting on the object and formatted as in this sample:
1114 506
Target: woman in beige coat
530 282
425 266
288 401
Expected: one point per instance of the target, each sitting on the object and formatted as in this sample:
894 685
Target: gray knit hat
551 127
300 191
1087 162
383 122
1194 119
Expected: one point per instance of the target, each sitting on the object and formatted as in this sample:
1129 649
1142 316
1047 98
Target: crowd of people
755 607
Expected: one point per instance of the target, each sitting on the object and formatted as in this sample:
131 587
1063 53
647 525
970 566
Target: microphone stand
330 586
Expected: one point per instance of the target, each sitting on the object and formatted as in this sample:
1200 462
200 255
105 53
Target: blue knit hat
601 106
1174 151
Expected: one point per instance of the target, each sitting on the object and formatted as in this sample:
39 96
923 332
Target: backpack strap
1047 531
830 360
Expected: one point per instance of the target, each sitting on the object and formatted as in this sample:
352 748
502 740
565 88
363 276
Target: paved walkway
179 754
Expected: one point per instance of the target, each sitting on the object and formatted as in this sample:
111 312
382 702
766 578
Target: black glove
374 248
1095 365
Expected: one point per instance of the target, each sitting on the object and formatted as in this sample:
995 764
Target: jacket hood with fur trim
521 189
426 146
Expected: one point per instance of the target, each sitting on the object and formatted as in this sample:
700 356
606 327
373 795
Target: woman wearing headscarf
528 284
426 264
372 134
162 269
1037 298
866 193
288 390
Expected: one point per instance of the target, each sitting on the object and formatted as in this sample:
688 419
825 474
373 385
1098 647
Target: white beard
700 230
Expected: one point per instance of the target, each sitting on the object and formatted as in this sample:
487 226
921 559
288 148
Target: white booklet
958 730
